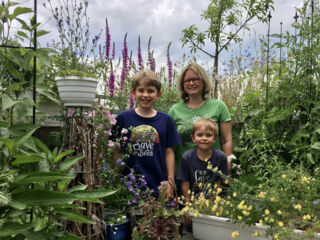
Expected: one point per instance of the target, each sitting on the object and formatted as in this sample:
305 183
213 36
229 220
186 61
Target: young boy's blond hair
148 77
208 123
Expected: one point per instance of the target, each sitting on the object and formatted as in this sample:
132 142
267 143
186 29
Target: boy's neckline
204 156
146 114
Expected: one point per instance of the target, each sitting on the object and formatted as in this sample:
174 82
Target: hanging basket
75 91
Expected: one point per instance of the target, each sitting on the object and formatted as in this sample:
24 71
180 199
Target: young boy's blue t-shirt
195 171
149 138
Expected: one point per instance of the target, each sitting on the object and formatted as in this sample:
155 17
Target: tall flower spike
169 66
113 51
140 61
130 61
131 102
150 56
111 82
108 38
124 63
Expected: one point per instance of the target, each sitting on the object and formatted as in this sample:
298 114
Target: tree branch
199 48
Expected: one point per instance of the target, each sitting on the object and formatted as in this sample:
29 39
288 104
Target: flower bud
4 16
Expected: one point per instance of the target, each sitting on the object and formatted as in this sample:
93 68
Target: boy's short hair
208 123
148 77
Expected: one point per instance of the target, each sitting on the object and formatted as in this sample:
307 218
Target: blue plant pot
118 231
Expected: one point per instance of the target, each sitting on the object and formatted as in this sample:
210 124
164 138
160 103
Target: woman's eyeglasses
194 80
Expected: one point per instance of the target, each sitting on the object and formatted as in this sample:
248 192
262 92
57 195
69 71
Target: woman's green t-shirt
184 117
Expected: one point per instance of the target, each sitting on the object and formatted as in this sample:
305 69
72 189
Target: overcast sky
161 19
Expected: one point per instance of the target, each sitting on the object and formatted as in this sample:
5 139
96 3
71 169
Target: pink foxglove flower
108 39
124 63
169 66
111 82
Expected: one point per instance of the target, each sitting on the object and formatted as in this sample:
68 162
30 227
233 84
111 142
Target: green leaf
44 197
42 146
23 34
63 206
10 144
69 236
7 102
43 177
41 33
22 139
66 164
62 155
316 146
74 216
13 228
82 194
40 222
27 159
18 205
18 11
76 188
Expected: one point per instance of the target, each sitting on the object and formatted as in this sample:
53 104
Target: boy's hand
169 193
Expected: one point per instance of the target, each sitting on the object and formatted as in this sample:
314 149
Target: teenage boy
152 134
199 166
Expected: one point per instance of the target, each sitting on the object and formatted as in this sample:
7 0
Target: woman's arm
226 140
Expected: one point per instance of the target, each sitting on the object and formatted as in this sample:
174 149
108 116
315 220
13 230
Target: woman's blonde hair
201 73
208 123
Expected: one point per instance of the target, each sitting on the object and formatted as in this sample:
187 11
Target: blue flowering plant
75 50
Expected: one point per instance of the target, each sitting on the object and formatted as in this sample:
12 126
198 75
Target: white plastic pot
75 91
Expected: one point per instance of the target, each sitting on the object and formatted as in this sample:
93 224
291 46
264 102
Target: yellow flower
195 213
283 176
260 186
261 222
298 207
306 217
239 218
279 212
276 236
272 199
256 234
266 211
234 194
280 224
235 235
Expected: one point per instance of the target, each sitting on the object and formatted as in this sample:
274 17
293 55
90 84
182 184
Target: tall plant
226 19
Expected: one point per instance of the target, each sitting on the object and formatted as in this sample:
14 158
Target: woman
194 85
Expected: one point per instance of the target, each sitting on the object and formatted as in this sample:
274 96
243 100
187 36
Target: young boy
193 170
151 133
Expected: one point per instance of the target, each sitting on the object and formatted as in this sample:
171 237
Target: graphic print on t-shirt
144 138
201 176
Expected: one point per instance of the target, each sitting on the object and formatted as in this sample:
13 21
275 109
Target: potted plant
285 207
74 65
117 227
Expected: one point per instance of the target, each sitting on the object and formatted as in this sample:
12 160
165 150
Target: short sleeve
224 113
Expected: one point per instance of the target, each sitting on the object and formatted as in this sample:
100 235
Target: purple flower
70 112
132 178
128 183
169 65
129 203
134 200
130 188
136 185
111 83
110 143
140 61
131 102
108 38
124 63
136 194
173 203
118 160
113 50
121 179
104 167
144 182
315 203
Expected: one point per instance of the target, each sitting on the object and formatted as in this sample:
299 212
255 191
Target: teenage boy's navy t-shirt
149 138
